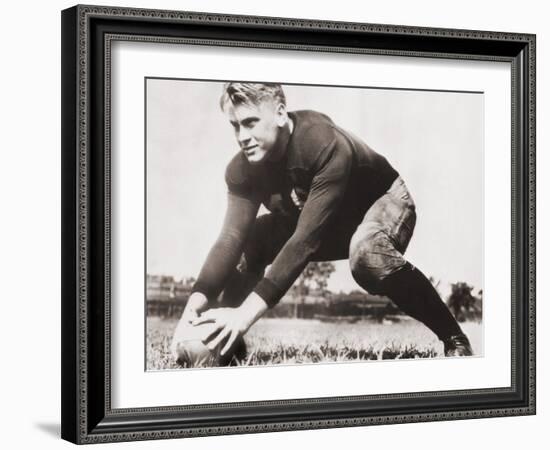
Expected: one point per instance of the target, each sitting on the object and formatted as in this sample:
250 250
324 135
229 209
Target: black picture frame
87 416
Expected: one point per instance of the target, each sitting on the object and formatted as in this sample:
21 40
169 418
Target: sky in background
433 139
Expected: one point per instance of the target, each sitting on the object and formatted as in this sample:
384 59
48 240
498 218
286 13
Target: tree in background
314 279
462 303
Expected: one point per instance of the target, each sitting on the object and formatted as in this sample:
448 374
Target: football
188 349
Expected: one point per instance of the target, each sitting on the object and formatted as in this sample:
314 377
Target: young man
330 197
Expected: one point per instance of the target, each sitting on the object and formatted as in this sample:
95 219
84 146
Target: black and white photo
292 224
276 224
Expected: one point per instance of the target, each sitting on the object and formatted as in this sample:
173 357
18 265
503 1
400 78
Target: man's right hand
196 304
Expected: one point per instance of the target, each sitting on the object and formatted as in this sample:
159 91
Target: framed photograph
268 222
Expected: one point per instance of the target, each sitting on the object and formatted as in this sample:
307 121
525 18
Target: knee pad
374 259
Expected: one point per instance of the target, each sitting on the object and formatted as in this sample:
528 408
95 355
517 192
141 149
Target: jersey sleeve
242 207
331 172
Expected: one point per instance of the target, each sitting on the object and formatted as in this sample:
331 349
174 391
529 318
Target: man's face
257 128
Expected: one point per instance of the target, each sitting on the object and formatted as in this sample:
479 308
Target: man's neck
281 149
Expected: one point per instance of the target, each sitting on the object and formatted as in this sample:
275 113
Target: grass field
290 341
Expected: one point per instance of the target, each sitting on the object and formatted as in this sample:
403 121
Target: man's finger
211 332
190 317
229 343
215 314
206 317
220 337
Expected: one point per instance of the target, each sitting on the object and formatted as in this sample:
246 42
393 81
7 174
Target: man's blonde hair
251 94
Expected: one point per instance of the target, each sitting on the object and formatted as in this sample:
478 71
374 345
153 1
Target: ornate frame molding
84 422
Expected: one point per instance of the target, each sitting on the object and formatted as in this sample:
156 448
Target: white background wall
30 225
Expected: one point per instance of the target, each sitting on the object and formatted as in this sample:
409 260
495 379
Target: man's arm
328 187
223 257
331 175
226 251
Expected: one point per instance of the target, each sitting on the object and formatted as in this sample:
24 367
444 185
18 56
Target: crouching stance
330 197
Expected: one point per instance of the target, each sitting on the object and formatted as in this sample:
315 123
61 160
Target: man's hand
230 323
196 303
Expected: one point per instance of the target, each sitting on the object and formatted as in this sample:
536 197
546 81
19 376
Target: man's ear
281 115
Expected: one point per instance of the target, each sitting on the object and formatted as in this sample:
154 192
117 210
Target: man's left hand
229 324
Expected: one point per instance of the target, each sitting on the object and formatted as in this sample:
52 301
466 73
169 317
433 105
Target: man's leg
377 264
270 233
415 295
241 283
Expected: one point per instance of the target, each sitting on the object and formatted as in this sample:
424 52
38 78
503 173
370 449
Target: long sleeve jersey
336 175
